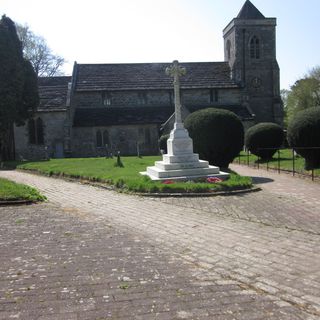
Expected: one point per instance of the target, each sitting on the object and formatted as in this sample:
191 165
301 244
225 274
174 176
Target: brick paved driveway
94 254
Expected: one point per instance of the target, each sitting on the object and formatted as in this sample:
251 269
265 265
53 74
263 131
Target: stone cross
176 72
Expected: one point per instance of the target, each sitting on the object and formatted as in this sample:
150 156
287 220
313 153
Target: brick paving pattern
285 202
95 254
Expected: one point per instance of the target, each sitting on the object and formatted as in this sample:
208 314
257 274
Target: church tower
250 50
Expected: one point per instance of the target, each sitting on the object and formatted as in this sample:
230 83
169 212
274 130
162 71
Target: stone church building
128 106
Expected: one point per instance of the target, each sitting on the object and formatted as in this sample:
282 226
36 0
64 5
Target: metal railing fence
284 159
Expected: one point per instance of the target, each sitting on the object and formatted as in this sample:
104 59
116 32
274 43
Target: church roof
87 117
249 11
53 92
95 117
140 76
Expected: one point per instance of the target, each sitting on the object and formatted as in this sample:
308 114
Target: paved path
285 202
94 254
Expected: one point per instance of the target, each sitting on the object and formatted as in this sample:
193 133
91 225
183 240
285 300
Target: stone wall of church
197 97
53 128
134 98
254 65
87 99
262 98
123 98
126 139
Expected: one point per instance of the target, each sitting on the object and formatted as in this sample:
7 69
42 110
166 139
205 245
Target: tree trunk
7 146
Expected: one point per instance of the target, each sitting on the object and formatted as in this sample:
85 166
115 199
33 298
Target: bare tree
36 50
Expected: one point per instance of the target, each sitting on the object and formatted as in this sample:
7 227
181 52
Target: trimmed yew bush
264 135
163 142
304 132
217 135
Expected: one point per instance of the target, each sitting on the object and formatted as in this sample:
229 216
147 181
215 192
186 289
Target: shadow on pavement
261 180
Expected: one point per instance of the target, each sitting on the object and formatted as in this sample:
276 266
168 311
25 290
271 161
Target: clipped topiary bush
304 131
163 142
264 135
217 135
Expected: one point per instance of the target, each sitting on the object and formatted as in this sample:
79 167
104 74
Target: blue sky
115 31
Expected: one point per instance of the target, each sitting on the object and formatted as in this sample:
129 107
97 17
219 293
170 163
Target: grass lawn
285 158
11 191
128 177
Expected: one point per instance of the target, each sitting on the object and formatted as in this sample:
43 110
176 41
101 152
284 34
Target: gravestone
181 163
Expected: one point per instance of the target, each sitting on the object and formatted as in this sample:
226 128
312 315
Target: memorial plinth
180 163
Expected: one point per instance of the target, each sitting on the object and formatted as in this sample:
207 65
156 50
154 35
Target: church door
58 152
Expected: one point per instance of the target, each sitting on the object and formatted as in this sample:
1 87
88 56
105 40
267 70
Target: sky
129 31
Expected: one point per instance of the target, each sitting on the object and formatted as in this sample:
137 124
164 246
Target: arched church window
99 139
39 131
122 136
228 49
214 95
142 96
106 138
255 48
106 98
36 131
147 136
32 131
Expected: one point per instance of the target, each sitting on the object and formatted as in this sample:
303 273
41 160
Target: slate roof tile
139 76
87 117
53 92
249 11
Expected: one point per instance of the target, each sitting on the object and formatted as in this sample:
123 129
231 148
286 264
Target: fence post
248 158
312 174
279 161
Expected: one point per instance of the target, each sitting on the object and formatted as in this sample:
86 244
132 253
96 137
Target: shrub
119 162
304 131
163 142
217 135
264 135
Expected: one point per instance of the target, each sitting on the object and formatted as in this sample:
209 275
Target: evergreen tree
18 87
